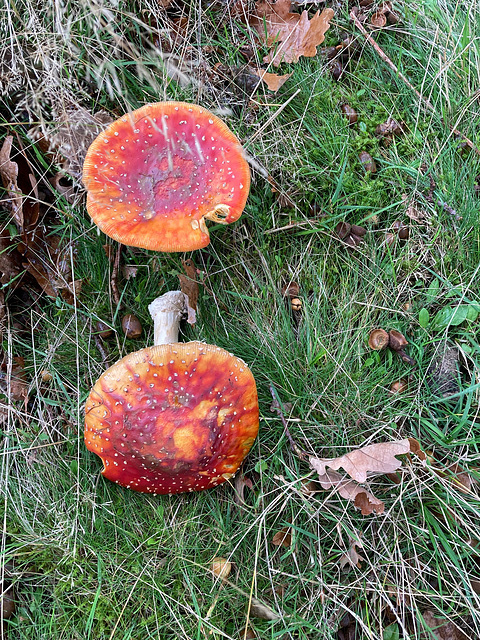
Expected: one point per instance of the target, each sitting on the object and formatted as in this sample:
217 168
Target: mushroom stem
166 312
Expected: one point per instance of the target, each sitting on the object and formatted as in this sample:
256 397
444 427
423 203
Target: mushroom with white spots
157 173
174 417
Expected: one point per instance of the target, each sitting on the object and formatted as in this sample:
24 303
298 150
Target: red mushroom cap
173 418
156 173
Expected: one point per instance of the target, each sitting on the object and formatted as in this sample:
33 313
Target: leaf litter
289 35
38 254
360 464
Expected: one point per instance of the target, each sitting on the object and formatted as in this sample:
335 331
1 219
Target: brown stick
395 69
113 279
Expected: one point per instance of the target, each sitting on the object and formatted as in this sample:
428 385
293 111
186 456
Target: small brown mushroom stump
154 175
173 418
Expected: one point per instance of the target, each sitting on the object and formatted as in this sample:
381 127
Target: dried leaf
49 263
260 610
23 191
189 287
441 628
309 488
65 188
272 80
374 458
352 557
350 490
129 271
10 259
18 380
247 633
240 482
35 265
368 503
221 567
283 538
289 35
475 584
458 477
9 175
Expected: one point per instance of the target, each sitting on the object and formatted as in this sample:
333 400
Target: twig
277 406
395 69
287 227
113 279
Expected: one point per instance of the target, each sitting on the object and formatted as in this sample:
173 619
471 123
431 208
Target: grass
91 560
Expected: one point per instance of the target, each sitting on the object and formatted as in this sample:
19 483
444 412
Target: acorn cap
173 418
154 175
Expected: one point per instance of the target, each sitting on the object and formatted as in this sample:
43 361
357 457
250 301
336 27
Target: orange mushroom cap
154 175
173 418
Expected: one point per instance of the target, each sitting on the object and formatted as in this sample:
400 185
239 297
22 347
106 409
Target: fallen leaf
272 80
49 263
475 584
441 628
9 175
411 209
189 287
350 490
15 384
352 557
240 482
260 610
283 538
348 628
456 475
10 259
62 185
289 35
129 271
221 567
309 488
374 458
25 195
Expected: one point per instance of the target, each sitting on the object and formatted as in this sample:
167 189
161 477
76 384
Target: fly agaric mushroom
154 175
174 417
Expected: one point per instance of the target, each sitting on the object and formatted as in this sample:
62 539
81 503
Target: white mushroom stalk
166 312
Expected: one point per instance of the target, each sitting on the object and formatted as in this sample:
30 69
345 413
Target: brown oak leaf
289 35
374 458
283 538
441 629
272 80
9 175
352 557
350 490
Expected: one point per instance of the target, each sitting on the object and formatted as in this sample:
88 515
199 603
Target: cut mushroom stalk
167 312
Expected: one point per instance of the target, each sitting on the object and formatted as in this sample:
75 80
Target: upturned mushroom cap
173 418
154 175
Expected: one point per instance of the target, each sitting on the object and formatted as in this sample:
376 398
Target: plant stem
166 312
